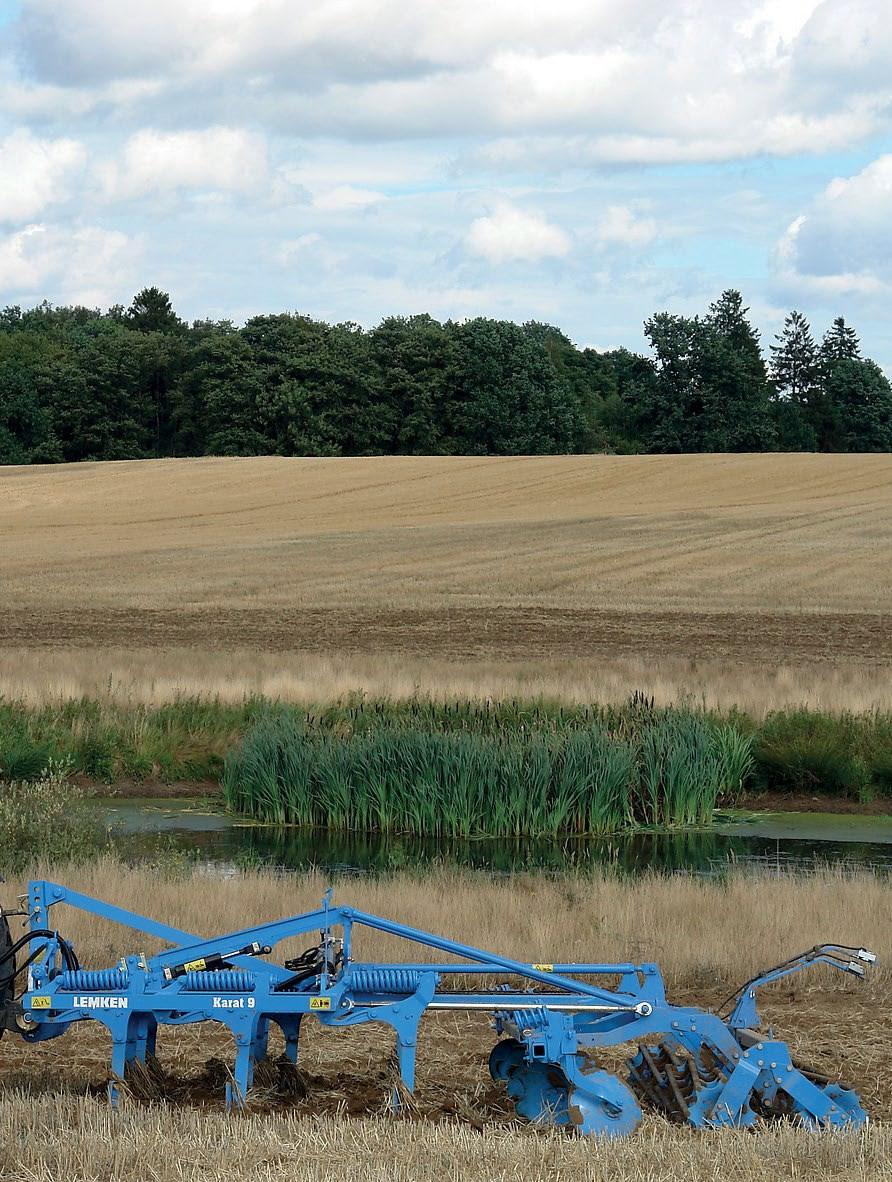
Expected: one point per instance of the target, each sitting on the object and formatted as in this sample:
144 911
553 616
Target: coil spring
527 1019
385 980
218 981
94 980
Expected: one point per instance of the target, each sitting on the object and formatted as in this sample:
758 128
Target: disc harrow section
692 1065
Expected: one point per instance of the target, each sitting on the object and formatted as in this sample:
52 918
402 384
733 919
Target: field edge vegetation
456 768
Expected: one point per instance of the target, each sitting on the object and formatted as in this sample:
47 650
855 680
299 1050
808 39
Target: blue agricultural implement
691 1064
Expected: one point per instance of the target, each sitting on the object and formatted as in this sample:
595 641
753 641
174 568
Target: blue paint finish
695 1065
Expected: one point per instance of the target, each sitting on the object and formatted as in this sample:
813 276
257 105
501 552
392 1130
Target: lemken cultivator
691 1064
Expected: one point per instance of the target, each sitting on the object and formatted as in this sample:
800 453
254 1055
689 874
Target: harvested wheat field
49 1137
332 1122
757 578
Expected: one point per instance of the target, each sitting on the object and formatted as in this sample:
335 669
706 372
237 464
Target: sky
581 162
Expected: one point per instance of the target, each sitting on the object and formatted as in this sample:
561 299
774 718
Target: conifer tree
795 363
840 343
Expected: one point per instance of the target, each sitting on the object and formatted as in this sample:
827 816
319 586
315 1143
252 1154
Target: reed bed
485 773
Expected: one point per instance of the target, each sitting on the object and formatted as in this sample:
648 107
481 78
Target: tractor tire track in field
456 633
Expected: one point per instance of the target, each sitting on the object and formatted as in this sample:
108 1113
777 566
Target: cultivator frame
691 1064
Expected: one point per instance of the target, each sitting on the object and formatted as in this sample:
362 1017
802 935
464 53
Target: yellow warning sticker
320 1003
40 1003
543 968
195 966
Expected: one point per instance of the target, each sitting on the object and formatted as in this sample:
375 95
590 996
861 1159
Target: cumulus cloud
35 172
845 42
335 39
623 227
310 253
842 241
510 234
214 159
84 265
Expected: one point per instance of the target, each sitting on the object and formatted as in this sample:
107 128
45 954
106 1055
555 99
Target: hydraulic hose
8 980
68 954
801 960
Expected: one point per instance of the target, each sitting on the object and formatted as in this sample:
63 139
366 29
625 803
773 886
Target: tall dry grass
157 676
702 932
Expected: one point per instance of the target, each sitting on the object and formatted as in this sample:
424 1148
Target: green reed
661 768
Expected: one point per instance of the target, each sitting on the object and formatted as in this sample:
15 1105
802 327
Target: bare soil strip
503 632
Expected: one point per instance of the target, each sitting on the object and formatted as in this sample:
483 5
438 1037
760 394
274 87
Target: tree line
138 382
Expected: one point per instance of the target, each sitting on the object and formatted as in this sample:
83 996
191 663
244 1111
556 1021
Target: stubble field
758 580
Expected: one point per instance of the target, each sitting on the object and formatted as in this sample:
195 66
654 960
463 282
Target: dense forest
78 384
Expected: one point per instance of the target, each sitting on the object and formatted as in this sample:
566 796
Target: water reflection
699 852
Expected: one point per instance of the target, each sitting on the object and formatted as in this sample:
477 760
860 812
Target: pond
786 841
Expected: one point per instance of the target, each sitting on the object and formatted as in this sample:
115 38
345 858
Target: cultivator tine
692 1066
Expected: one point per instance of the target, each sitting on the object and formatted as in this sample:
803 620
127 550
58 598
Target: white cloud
842 241
336 39
639 82
20 267
622 226
777 23
34 173
510 234
777 134
215 159
84 265
848 43
347 198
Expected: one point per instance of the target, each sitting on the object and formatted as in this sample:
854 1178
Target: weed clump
46 820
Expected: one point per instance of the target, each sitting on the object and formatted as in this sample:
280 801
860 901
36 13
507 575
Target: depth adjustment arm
846 959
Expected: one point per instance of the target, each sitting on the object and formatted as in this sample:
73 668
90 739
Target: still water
786 841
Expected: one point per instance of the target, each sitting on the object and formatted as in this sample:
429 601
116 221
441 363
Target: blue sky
585 163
